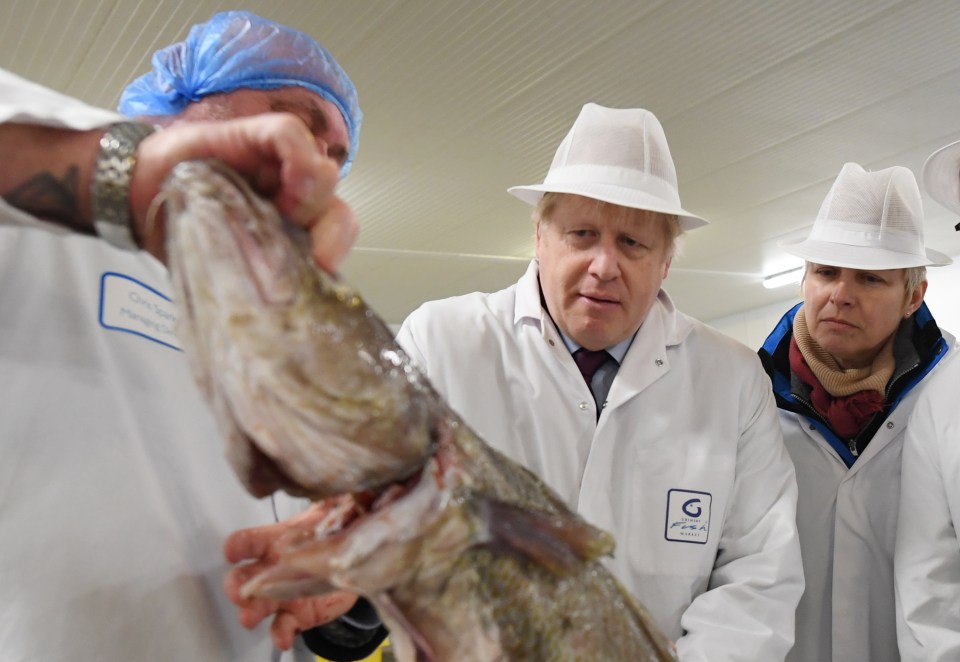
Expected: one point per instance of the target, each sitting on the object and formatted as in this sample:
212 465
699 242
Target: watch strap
110 183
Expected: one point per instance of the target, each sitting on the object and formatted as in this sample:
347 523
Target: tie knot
589 361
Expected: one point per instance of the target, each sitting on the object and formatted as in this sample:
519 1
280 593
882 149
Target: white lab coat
685 466
847 519
115 497
927 561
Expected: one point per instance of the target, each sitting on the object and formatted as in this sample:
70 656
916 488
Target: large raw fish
465 554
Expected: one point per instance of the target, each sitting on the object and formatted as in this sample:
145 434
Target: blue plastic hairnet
238 49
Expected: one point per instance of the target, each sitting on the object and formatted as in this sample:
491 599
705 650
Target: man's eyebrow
317 118
316 121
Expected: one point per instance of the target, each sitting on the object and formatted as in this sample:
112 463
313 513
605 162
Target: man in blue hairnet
238 64
115 499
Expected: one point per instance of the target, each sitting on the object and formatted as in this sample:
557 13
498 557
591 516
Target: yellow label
375 656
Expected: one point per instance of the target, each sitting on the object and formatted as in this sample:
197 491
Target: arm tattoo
47 197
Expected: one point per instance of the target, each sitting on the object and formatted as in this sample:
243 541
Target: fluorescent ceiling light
783 278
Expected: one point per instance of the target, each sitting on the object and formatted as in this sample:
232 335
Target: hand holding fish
275 153
259 548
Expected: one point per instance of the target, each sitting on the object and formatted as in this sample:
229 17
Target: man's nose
605 263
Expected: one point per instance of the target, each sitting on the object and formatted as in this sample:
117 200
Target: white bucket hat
941 176
618 156
869 220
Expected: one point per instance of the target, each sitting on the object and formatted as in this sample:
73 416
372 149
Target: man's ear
666 268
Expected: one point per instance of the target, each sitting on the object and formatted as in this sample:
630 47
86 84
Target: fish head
313 395
446 561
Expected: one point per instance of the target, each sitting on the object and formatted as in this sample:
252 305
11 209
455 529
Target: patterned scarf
847 399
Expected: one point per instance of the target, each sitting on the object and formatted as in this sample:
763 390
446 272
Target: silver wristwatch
110 183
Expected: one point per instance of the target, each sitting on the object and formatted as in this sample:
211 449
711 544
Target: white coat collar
527 307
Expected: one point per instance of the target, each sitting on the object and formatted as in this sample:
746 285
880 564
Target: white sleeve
26 102
406 338
749 608
927 557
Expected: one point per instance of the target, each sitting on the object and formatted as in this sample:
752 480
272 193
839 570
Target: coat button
584 406
659 362
813 427
551 343
889 425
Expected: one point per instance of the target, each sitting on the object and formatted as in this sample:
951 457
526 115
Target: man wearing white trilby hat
927 559
672 442
845 365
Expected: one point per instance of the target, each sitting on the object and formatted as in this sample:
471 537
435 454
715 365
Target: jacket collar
928 340
929 347
527 308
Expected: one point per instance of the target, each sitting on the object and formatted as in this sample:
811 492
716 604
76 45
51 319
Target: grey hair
914 277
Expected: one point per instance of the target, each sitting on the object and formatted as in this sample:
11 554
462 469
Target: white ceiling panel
762 101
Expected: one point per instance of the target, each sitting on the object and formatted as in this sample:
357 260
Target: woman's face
852 313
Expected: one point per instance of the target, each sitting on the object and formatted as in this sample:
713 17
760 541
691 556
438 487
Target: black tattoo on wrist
47 197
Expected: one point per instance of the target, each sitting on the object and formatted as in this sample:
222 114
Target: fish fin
385 605
558 542
282 583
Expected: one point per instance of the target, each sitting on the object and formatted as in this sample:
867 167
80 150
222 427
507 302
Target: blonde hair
671 227
914 277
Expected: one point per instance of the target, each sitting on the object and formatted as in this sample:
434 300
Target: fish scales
466 554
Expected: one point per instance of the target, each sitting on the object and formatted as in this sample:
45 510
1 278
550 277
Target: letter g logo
691 507
688 516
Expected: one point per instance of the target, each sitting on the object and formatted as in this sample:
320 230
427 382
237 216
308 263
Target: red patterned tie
589 361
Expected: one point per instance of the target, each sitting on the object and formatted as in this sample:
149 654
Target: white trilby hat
618 156
869 220
941 176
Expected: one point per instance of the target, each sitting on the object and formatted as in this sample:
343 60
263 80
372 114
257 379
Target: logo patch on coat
688 516
133 307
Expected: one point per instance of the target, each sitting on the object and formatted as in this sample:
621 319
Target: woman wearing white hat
927 559
845 366
673 443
